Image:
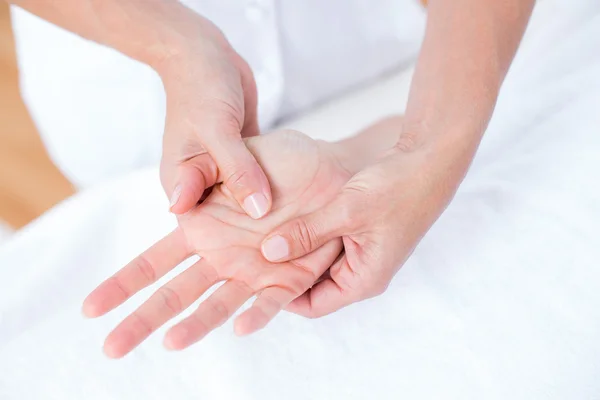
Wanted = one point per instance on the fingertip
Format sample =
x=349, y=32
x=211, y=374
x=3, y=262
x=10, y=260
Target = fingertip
x=243, y=326
x=194, y=177
x=252, y=320
x=256, y=205
x=179, y=210
x=182, y=201
x=91, y=308
x=178, y=338
x=239, y=328
x=102, y=300
x=111, y=350
x=169, y=344
x=187, y=202
x=175, y=196
x=89, y=311
x=300, y=305
x=275, y=248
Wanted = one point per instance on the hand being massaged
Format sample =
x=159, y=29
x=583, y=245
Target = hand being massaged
x=304, y=175
x=369, y=195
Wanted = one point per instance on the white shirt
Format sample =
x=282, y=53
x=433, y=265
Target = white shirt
x=101, y=114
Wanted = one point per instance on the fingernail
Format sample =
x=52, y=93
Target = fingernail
x=175, y=196
x=275, y=248
x=256, y=205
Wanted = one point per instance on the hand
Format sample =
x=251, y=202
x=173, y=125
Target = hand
x=211, y=106
x=304, y=175
x=381, y=214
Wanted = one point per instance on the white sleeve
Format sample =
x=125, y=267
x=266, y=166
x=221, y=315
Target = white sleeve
x=98, y=112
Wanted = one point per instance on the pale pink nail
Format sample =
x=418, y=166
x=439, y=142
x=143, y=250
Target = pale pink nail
x=275, y=248
x=175, y=196
x=256, y=205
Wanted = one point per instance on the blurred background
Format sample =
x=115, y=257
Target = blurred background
x=29, y=182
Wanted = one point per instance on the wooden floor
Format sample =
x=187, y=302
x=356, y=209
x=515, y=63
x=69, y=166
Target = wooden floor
x=29, y=182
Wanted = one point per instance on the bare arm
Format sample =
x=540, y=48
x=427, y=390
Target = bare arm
x=386, y=208
x=468, y=48
x=211, y=93
x=467, y=51
x=149, y=31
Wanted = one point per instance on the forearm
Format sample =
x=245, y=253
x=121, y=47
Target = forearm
x=150, y=31
x=468, y=48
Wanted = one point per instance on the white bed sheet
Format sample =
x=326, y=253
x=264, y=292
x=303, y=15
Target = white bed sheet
x=5, y=232
x=500, y=300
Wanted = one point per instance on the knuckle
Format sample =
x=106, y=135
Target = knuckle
x=350, y=280
x=268, y=304
x=308, y=275
x=145, y=269
x=305, y=235
x=205, y=277
x=198, y=325
x=237, y=178
x=408, y=142
x=348, y=213
x=296, y=286
x=219, y=310
x=116, y=281
x=377, y=288
x=141, y=323
x=226, y=115
x=243, y=287
x=170, y=299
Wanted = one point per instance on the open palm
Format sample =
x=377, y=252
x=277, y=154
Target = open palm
x=304, y=176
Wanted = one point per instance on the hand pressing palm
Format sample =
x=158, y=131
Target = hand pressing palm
x=304, y=176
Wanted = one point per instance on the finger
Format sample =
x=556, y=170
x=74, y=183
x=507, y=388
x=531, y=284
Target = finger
x=251, y=128
x=211, y=313
x=311, y=304
x=168, y=301
x=144, y=270
x=242, y=175
x=329, y=295
x=306, y=234
x=267, y=305
x=285, y=283
x=188, y=181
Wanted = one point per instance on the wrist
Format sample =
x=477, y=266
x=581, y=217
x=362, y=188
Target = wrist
x=186, y=46
x=345, y=155
x=366, y=147
x=442, y=124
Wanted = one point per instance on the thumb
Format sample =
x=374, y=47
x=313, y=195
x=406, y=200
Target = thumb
x=241, y=174
x=186, y=182
x=306, y=234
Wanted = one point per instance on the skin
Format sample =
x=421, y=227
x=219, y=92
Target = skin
x=211, y=92
x=305, y=174
x=384, y=210
x=390, y=201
